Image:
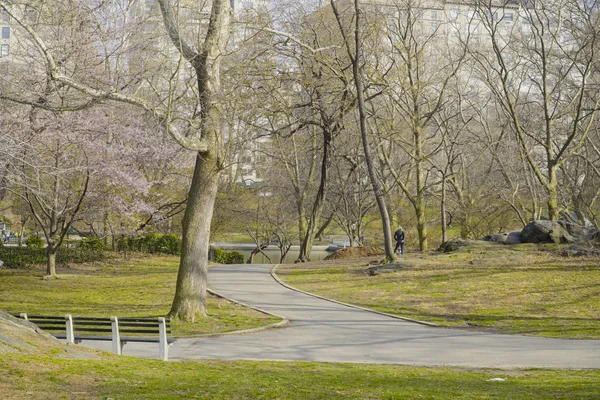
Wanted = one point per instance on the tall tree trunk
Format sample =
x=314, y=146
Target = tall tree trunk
x=190, y=295
x=356, y=58
x=317, y=211
x=189, y=302
x=420, y=200
x=443, y=211
x=552, y=191
x=300, y=197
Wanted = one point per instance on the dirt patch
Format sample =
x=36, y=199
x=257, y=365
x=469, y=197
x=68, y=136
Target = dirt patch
x=355, y=252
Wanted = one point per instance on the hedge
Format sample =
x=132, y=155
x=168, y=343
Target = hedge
x=228, y=257
x=27, y=257
x=151, y=243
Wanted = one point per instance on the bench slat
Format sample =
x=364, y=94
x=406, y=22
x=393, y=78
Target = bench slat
x=77, y=329
x=52, y=327
x=132, y=319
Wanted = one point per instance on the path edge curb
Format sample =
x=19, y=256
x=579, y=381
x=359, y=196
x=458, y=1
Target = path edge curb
x=284, y=321
x=276, y=277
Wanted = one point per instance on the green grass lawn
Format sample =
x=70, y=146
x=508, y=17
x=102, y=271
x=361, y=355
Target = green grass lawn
x=140, y=286
x=53, y=377
x=518, y=289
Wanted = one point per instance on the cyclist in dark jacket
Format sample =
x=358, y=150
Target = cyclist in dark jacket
x=399, y=238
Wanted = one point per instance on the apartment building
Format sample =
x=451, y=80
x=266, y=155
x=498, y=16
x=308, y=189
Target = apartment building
x=6, y=34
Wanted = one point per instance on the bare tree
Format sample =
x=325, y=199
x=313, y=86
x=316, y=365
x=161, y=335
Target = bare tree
x=353, y=43
x=541, y=72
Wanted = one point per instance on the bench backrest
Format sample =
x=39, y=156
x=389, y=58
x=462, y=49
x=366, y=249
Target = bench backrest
x=94, y=325
x=81, y=328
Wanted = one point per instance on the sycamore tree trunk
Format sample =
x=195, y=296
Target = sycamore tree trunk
x=189, y=302
x=190, y=295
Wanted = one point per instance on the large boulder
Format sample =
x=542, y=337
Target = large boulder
x=579, y=232
x=543, y=231
x=505, y=238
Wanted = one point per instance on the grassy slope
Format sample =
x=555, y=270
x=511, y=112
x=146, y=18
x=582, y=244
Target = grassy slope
x=46, y=377
x=141, y=286
x=516, y=289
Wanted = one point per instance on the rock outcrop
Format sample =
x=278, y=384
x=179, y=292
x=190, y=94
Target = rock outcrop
x=505, y=238
x=19, y=335
x=543, y=231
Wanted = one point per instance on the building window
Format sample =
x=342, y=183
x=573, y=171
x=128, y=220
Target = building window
x=473, y=28
x=433, y=27
x=4, y=16
x=5, y=32
x=473, y=15
x=508, y=17
x=4, y=50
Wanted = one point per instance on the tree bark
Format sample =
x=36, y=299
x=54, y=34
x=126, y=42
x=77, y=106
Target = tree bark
x=443, y=210
x=51, y=260
x=317, y=211
x=190, y=295
x=420, y=198
x=552, y=187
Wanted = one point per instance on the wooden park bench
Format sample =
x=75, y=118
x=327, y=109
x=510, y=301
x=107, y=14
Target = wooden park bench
x=78, y=329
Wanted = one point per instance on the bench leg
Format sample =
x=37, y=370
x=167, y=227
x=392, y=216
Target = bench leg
x=69, y=326
x=117, y=347
x=162, y=340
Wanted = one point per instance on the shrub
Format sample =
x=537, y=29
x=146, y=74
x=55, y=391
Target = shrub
x=93, y=243
x=27, y=257
x=35, y=242
x=151, y=243
x=169, y=244
x=228, y=257
x=235, y=257
x=123, y=244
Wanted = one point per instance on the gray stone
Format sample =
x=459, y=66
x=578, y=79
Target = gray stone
x=505, y=238
x=579, y=232
x=543, y=231
x=457, y=244
x=580, y=251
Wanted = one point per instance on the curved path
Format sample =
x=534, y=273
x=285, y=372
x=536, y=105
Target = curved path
x=322, y=330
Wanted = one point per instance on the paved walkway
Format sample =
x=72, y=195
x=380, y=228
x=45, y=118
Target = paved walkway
x=321, y=330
